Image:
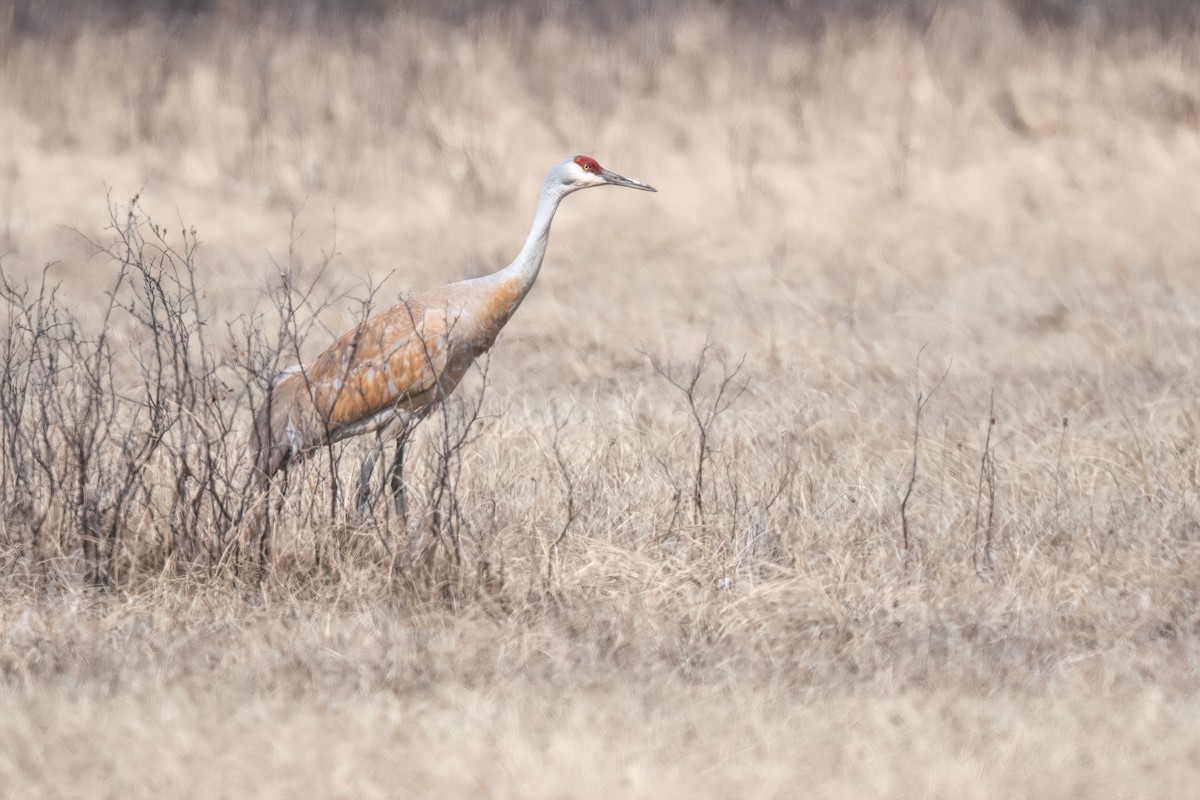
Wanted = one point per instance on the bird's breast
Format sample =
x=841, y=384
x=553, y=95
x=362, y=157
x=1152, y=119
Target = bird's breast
x=493, y=310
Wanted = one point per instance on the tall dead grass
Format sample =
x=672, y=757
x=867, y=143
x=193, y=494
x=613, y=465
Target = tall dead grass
x=612, y=580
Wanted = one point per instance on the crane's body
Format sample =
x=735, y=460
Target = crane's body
x=402, y=361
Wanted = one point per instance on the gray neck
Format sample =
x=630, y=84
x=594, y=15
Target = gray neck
x=529, y=260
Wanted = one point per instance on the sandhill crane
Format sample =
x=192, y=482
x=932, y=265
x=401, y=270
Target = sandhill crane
x=397, y=364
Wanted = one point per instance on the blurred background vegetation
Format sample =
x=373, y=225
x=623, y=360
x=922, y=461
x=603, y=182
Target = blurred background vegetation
x=804, y=18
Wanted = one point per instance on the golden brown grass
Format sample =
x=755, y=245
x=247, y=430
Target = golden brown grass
x=858, y=214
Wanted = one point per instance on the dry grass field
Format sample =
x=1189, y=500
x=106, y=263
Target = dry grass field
x=942, y=538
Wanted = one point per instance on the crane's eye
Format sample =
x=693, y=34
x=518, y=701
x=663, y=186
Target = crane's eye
x=587, y=167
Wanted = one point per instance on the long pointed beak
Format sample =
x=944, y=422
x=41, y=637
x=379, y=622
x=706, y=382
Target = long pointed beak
x=621, y=180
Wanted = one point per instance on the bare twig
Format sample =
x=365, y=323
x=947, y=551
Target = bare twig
x=918, y=408
x=704, y=410
x=987, y=475
x=564, y=472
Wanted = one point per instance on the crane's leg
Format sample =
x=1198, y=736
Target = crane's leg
x=396, y=473
x=399, y=488
x=364, y=479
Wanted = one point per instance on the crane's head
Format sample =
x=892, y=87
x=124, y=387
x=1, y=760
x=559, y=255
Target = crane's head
x=581, y=172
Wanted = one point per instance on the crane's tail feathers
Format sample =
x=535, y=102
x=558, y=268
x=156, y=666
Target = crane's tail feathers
x=279, y=433
x=285, y=373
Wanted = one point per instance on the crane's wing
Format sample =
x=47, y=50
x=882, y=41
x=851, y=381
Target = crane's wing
x=394, y=361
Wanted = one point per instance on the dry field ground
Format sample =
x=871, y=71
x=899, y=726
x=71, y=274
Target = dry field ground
x=946, y=541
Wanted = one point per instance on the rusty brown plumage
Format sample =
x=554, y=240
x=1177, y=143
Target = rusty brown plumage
x=396, y=362
x=402, y=361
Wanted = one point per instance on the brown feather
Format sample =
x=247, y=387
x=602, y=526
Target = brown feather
x=399, y=361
